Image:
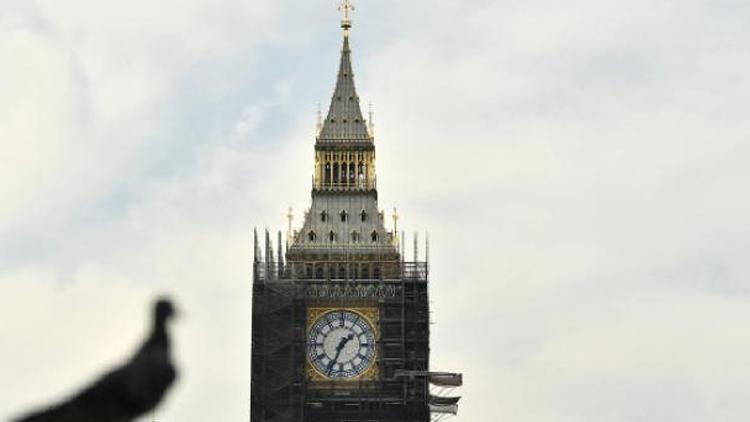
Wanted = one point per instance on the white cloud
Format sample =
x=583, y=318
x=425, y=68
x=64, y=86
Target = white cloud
x=90, y=87
x=580, y=168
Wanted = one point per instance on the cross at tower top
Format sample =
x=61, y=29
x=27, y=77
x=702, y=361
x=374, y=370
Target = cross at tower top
x=346, y=7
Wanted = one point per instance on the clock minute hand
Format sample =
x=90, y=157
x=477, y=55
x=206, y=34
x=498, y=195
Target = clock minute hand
x=341, y=345
x=339, y=348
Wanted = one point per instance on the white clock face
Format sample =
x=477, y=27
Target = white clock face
x=341, y=344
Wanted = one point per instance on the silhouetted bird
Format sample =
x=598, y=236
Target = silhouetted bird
x=128, y=391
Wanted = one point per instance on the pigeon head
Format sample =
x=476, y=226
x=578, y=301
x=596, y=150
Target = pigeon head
x=163, y=310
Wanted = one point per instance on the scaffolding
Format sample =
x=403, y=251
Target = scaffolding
x=282, y=292
x=443, y=402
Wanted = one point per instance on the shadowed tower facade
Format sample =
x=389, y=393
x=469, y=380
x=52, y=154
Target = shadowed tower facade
x=340, y=320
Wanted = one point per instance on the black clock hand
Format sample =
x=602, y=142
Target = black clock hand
x=339, y=348
x=335, y=358
x=333, y=362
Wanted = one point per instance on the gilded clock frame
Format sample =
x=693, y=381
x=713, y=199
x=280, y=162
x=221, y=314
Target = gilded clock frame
x=369, y=314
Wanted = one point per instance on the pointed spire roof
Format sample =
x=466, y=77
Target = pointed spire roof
x=344, y=122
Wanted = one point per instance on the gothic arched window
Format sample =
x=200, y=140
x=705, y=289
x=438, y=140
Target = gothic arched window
x=374, y=236
x=355, y=237
x=311, y=236
x=332, y=236
x=344, y=216
x=363, y=215
x=324, y=216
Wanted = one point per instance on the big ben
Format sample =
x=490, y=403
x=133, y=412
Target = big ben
x=340, y=319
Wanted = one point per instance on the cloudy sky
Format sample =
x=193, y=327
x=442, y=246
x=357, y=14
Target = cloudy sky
x=582, y=167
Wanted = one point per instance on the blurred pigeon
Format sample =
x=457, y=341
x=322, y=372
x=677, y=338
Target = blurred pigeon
x=128, y=391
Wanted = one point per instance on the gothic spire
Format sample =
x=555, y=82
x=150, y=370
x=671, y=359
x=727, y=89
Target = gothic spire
x=344, y=122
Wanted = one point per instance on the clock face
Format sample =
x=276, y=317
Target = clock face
x=341, y=344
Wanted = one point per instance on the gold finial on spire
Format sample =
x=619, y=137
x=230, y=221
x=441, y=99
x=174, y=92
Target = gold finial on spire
x=370, y=121
x=319, y=125
x=346, y=7
x=289, y=235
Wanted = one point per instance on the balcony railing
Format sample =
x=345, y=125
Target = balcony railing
x=354, y=185
x=341, y=271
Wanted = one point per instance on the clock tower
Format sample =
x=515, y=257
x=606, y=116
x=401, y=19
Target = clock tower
x=340, y=319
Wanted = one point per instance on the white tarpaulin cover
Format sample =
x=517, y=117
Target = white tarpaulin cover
x=444, y=401
x=446, y=379
x=451, y=409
